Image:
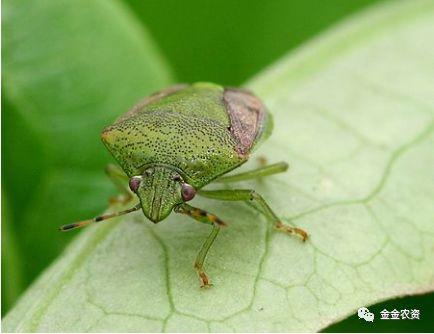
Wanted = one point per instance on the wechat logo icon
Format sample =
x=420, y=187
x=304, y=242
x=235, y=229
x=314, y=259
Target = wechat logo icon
x=364, y=313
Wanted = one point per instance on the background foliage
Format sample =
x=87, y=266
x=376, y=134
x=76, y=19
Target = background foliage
x=52, y=158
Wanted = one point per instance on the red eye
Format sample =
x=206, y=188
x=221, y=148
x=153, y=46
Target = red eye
x=135, y=183
x=187, y=192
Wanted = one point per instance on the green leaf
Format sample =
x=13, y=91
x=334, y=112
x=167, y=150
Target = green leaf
x=69, y=69
x=354, y=117
x=11, y=266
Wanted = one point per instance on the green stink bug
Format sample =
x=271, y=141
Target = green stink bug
x=180, y=139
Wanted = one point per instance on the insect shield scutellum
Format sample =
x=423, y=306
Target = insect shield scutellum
x=180, y=139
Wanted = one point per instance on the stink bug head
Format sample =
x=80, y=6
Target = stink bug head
x=160, y=189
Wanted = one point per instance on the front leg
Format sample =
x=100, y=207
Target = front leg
x=205, y=217
x=253, y=196
x=120, y=180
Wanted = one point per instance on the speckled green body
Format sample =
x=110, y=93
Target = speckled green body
x=198, y=131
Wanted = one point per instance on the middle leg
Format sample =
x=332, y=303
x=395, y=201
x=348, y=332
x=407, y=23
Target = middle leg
x=253, y=196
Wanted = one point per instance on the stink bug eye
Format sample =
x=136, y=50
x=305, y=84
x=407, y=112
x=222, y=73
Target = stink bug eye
x=135, y=183
x=187, y=192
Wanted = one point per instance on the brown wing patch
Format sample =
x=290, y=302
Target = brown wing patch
x=151, y=99
x=246, y=113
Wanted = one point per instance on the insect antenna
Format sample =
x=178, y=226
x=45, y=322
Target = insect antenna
x=83, y=223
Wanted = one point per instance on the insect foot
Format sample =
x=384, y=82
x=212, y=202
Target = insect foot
x=292, y=230
x=204, y=280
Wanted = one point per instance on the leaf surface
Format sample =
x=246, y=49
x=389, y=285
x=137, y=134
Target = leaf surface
x=354, y=117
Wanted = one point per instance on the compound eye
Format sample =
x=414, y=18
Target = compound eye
x=188, y=192
x=135, y=183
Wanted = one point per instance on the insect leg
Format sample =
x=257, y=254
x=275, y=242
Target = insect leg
x=205, y=217
x=120, y=180
x=83, y=223
x=256, y=173
x=254, y=197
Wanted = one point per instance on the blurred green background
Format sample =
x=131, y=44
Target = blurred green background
x=52, y=159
